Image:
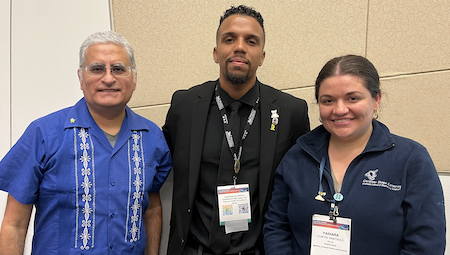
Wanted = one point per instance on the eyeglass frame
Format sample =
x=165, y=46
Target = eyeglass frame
x=106, y=68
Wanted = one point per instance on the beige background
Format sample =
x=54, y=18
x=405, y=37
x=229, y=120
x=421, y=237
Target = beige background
x=408, y=42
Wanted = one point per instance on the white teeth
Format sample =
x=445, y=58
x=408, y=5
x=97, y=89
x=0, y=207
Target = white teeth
x=343, y=120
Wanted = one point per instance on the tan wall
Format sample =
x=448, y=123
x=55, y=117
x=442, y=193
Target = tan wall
x=408, y=42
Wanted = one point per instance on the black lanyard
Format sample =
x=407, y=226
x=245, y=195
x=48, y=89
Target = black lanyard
x=229, y=135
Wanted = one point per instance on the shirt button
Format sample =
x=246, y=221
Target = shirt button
x=113, y=183
x=112, y=215
x=182, y=241
x=111, y=246
x=189, y=210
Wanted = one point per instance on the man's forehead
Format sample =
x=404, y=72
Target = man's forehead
x=98, y=51
x=230, y=21
x=100, y=45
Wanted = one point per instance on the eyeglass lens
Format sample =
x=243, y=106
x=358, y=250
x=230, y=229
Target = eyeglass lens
x=100, y=70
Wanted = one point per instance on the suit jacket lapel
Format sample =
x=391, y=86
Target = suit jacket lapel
x=268, y=143
x=200, y=110
x=268, y=139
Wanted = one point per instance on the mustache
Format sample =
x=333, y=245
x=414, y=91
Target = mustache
x=238, y=56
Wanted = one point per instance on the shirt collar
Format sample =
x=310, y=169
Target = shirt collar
x=249, y=98
x=79, y=116
x=316, y=141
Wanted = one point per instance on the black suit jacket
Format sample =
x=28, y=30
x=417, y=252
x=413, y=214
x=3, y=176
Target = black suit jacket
x=184, y=131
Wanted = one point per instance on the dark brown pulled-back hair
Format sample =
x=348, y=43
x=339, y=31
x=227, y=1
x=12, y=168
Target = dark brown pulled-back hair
x=353, y=65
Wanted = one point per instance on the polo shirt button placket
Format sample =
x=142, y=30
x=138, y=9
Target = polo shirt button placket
x=112, y=215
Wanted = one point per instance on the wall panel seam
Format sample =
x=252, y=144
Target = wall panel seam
x=111, y=16
x=415, y=73
x=10, y=73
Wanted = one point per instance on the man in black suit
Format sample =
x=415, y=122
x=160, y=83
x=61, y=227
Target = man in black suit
x=208, y=155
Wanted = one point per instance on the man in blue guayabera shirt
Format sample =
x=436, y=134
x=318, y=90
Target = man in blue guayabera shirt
x=92, y=170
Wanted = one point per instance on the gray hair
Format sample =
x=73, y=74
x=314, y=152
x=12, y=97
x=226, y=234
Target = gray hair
x=106, y=37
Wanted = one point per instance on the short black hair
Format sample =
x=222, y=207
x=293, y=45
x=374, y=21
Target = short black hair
x=243, y=10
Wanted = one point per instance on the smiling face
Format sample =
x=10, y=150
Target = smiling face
x=240, y=49
x=346, y=107
x=107, y=92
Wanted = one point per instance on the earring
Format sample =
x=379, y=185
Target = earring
x=375, y=114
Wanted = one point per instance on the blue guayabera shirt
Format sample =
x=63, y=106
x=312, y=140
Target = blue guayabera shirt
x=90, y=198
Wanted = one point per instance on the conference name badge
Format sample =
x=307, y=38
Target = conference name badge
x=328, y=237
x=234, y=207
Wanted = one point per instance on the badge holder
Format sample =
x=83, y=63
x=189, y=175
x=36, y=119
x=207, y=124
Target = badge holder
x=330, y=233
x=234, y=207
x=331, y=237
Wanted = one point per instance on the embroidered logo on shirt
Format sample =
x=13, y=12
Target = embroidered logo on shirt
x=371, y=175
x=371, y=181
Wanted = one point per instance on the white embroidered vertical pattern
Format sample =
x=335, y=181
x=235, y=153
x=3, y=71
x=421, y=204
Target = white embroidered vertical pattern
x=93, y=190
x=143, y=181
x=129, y=188
x=135, y=189
x=86, y=185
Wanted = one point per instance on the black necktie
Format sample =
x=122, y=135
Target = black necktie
x=235, y=123
x=219, y=241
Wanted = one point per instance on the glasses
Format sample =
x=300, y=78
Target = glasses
x=98, y=70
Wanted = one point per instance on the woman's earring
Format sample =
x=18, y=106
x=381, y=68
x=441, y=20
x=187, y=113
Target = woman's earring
x=375, y=114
